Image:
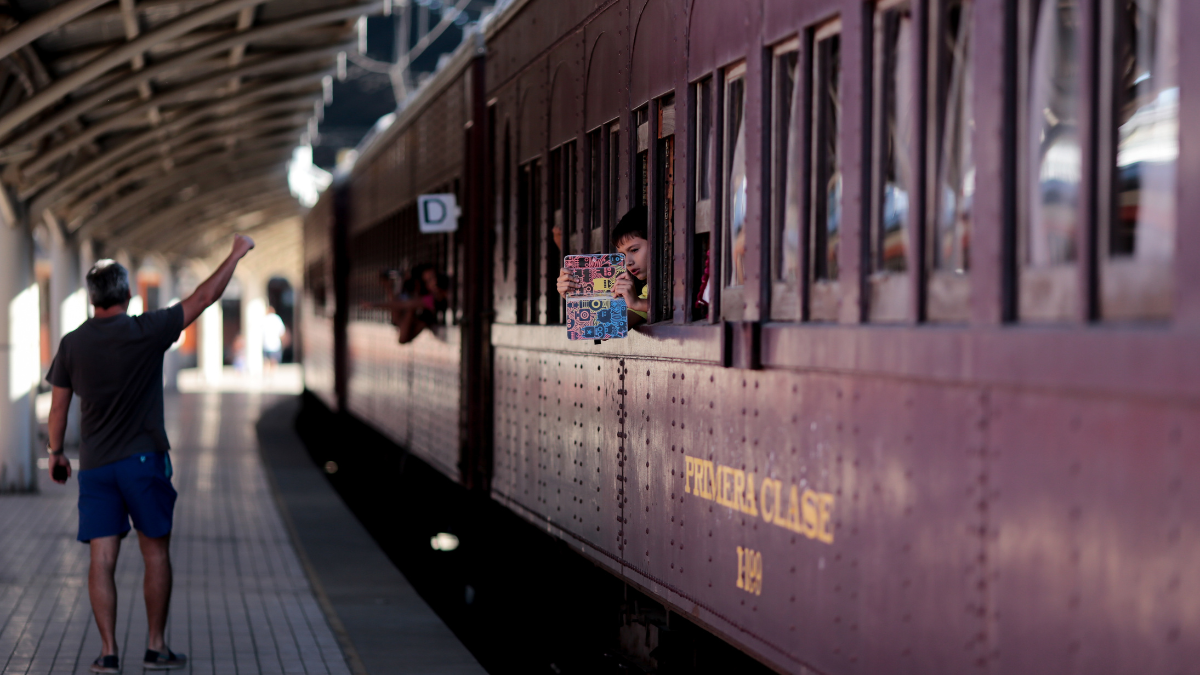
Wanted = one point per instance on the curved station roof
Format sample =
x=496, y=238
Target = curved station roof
x=161, y=125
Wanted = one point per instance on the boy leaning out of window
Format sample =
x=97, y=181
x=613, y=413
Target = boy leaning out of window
x=630, y=237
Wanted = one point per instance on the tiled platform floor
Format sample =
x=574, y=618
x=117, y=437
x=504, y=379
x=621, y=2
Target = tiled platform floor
x=242, y=603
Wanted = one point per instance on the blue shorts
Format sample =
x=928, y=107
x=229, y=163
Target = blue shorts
x=137, y=486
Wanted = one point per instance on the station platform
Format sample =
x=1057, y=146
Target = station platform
x=273, y=574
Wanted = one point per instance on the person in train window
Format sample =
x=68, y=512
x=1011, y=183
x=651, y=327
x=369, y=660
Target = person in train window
x=416, y=304
x=631, y=237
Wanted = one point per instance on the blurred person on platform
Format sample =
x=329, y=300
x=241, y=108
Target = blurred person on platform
x=273, y=335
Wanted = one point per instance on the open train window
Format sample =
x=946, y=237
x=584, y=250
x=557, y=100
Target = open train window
x=530, y=237
x=564, y=232
x=785, y=207
x=893, y=177
x=602, y=182
x=612, y=187
x=948, y=288
x=506, y=206
x=1137, y=241
x=595, y=193
x=825, y=197
x=733, y=185
x=641, y=160
x=704, y=150
x=663, y=220
x=316, y=283
x=1049, y=230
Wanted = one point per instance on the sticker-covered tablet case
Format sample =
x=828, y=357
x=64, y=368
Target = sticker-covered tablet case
x=596, y=318
x=594, y=274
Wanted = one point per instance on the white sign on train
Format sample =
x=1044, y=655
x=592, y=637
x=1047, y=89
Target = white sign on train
x=437, y=213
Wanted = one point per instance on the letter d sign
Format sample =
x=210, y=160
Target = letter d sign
x=437, y=213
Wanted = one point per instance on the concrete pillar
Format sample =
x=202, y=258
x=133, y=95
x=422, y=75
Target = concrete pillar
x=68, y=307
x=211, y=350
x=254, y=313
x=136, y=303
x=87, y=258
x=20, y=318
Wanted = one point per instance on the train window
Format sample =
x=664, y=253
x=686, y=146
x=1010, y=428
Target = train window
x=893, y=179
x=948, y=290
x=1048, y=236
x=316, y=284
x=595, y=196
x=613, y=186
x=562, y=207
x=506, y=205
x=703, y=189
x=641, y=162
x=784, y=212
x=1140, y=241
x=530, y=270
x=734, y=187
x=825, y=198
x=663, y=221
x=563, y=233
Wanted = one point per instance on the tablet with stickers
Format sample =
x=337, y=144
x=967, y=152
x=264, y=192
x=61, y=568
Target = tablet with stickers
x=594, y=274
x=593, y=313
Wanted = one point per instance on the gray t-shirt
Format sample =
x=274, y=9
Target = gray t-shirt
x=115, y=367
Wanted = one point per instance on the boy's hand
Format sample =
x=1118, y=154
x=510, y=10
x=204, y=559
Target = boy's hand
x=623, y=288
x=565, y=284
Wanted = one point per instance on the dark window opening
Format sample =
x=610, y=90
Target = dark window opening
x=641, y=160
x=530, y=241
x=613, y=188
x=663, y=269
x=703, y=279
x=595, y=196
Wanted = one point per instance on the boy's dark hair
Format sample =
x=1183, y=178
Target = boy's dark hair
x=635, y=223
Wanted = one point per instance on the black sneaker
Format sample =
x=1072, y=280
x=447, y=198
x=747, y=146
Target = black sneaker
x=167, y=660
x=106, y=664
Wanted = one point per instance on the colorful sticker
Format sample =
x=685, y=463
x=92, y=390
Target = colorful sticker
x=596, y=318
x=594, y=274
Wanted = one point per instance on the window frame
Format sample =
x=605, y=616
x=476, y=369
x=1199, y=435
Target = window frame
x=703, y=114
x=1032, y=284
x=947, y=294
x=784, y=170
x=1151, y=300
x=888, y=293
x=731, y=297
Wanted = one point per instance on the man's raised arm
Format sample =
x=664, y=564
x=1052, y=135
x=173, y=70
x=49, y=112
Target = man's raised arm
x=213, y=287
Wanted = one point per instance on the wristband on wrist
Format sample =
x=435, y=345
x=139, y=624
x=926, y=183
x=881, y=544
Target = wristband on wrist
x=52, y=451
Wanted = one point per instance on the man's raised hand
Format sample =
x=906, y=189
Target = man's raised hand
x=242, y=245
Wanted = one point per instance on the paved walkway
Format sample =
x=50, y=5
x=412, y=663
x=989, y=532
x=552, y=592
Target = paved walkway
x=242, y=602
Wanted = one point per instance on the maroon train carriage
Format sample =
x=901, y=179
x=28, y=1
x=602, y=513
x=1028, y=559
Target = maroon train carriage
x=919, y=391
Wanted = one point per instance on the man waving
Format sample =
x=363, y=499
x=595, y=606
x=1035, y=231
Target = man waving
x=114, y=363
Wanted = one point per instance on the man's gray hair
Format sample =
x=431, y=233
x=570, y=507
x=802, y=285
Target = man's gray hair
x=108, y=284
